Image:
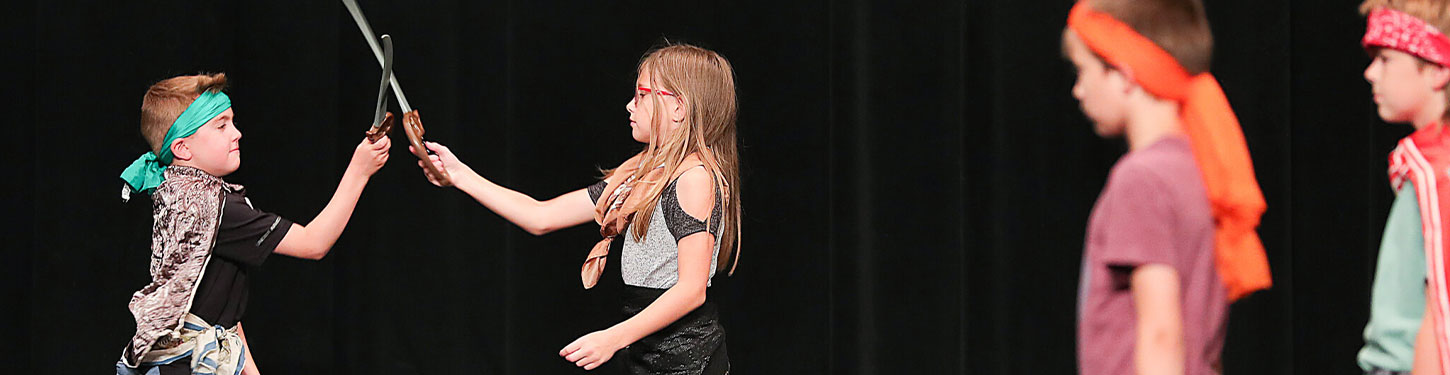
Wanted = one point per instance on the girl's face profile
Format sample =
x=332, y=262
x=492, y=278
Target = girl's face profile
x=641, y=107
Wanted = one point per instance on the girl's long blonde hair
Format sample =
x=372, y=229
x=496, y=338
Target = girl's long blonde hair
x=705, y=84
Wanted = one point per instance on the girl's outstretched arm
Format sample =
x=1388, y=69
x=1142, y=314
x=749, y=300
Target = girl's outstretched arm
x=533, y=216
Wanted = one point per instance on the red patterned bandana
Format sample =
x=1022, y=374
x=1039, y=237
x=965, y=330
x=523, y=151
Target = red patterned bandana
x=1398, y=30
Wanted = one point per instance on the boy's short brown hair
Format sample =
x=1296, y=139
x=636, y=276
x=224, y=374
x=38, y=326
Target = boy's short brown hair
x=1180, y=27
x=165, y=101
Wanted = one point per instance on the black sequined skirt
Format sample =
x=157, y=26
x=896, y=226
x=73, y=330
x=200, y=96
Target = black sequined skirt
x=694, y=344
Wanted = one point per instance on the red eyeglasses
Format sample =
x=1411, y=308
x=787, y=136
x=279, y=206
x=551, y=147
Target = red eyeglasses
x=642, y=91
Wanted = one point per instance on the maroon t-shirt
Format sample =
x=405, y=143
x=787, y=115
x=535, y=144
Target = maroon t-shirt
x=1153, y=211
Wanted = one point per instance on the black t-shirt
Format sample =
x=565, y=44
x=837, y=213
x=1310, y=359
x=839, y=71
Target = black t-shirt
x=244, y=240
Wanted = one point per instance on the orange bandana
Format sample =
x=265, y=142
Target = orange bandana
x=1213, y=130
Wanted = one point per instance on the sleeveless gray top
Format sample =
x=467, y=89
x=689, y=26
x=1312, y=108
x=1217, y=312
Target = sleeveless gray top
x=654, y=262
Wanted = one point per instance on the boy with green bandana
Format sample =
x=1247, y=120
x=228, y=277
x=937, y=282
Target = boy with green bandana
x=207, y=235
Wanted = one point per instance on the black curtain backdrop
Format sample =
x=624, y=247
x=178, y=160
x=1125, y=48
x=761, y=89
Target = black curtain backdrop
x=917, y=179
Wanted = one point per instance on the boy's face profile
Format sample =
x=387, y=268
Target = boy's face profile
x=1402, y=84
x=214, y=148
x=1101, y=92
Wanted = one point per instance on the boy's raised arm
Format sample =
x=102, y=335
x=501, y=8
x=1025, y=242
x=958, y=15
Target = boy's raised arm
x=314, y=240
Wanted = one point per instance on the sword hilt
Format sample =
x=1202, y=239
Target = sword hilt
x=377, y=132
x=413, y=125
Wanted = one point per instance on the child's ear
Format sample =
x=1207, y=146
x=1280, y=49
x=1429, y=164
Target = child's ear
x=1121, y=81
x=678, y=114
x=1439, y=77
x=179, y=150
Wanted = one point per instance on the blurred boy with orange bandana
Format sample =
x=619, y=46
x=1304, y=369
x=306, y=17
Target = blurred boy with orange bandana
x=1171, y=241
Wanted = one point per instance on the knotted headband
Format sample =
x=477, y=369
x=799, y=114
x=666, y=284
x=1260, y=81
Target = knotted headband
x=1213, y=131
x=146, y=173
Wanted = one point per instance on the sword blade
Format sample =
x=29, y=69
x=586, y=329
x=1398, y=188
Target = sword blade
x=367, y=31
x=382, y=105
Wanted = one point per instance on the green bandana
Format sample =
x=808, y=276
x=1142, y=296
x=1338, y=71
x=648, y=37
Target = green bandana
x=145, y=174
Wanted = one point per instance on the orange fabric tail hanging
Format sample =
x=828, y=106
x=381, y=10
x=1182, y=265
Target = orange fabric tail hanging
x=1212, y=129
